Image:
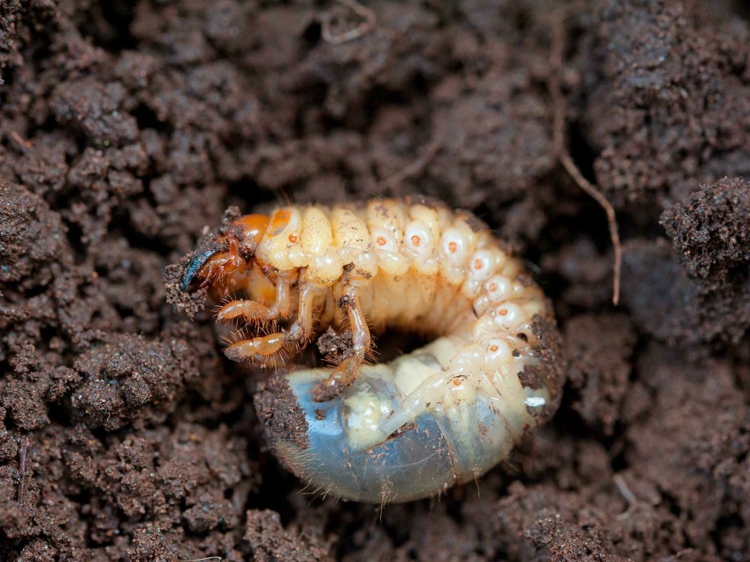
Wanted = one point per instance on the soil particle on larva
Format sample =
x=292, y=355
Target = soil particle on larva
x=334, y=347
x=278, y=409
x=550, y=350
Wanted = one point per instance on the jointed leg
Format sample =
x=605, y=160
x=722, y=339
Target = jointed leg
x=256, y=312
x=265, y=346
x=457, y=399
x=437, y=389
x=347, y=370
x=302, y=327
x=269, y=345
x=430, y=392
x=252, y=311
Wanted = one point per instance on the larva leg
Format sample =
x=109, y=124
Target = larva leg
x=429, y=392
x=267, y=345
x=436, y=389
x=251, y=311
x=264, y=346
x=255, y=311
x=347, y=370
x=454, y=394
x=302, y=327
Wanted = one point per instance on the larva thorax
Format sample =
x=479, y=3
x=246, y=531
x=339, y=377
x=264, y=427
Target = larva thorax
x=412, y=265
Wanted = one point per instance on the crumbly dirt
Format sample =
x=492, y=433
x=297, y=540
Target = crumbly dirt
x=334, y=347
x=128, y=127
x=279, y=411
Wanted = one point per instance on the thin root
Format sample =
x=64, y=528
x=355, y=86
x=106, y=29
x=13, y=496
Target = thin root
x=23, y=456
x=415, y=167
x=24, y=145
x=556, y=62
x=630, y=497
x=365, y=27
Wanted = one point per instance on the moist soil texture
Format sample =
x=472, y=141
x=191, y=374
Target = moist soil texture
x=127, y=128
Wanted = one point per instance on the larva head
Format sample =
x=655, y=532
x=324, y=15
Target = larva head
x=234, y=247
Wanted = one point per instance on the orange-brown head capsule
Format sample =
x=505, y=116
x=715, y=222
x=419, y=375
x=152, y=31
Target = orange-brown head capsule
x=251, y=231
x=228, y=252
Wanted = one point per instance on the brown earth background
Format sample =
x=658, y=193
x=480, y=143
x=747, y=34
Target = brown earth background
x=126, y=128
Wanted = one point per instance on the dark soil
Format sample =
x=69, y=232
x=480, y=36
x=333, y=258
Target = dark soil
x=126, y=130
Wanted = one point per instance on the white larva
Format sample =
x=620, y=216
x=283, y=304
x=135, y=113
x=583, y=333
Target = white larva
x=441, y=415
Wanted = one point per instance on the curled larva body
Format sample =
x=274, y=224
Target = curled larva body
x=411, y=428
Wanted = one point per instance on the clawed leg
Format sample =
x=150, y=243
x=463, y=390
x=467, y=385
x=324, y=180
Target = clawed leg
x=271, y=344
x=455, y=396
x=347, y=370
x=430, y=392
x=265, y=346
x=251, y=311
x=300, y=331
x=436, y=389
x=256, y=312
